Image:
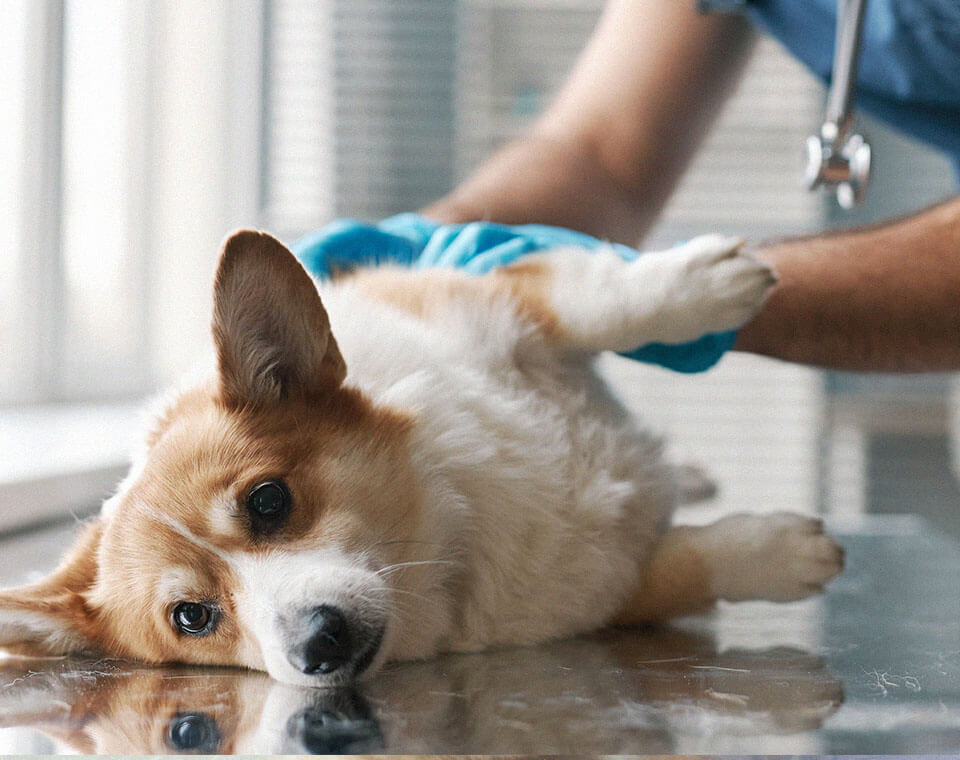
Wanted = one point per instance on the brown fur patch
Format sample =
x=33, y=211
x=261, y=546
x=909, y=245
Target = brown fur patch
x=675, y=582
x=525, y=284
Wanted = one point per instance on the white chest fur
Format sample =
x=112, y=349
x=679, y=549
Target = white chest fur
x=548, y=495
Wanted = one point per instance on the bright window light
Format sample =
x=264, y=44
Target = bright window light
x=12, y=51
x=100, y=285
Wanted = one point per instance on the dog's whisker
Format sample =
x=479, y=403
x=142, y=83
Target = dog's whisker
x=399, y=565
x=376, y=605
x=401, y=605
x=405, y=541
x=427, y=599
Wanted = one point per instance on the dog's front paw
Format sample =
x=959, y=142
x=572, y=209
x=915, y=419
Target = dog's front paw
x=780, y=557
x=717, y=287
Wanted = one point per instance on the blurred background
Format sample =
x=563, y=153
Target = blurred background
x=136, y=133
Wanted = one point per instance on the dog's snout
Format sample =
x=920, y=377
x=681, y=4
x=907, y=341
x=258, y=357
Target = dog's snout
x=329, y=643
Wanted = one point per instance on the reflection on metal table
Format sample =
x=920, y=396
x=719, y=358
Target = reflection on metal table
x=871, y=667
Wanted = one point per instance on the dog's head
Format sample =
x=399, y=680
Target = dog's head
x=256, y=528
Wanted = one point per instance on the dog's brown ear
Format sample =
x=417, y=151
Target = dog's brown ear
x=271, y=332
x=51, y=617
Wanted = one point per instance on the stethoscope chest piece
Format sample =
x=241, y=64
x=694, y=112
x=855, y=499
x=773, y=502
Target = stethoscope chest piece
x=844, y=166
x=835, y=158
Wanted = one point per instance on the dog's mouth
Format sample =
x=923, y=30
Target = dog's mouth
x=369, y=652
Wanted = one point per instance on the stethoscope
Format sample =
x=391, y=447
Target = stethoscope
x=837, y=159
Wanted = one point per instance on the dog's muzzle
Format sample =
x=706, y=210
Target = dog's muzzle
x=330, y=642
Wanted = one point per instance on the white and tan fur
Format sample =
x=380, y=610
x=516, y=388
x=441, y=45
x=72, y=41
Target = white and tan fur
x=461, y=478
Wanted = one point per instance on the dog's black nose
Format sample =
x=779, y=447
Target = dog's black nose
x=329, y=644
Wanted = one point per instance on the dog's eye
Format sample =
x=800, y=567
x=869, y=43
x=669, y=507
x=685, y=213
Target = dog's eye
x=194, y=618
x=268, y=504
x=194, y=733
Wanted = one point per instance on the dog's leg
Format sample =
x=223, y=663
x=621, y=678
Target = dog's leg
x=779, y=557
x=596, y=301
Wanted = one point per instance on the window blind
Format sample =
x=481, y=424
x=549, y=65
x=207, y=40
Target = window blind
x=360, y=109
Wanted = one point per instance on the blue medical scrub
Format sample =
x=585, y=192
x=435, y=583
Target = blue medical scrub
x=909, y=72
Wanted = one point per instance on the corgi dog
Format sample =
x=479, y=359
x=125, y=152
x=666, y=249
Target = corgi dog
x=401, y=463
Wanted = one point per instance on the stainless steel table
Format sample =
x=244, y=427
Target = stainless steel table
x=871, y=667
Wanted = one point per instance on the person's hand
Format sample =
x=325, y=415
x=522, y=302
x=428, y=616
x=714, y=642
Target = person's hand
x=477, y=247
x=347, y=243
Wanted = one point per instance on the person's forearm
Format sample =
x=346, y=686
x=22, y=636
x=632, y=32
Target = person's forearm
x=606, y=154
x=884, y=298
x=546, y=180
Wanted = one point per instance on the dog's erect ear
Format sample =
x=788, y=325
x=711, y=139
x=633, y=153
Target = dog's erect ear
x=51, y=617
x=271, y=332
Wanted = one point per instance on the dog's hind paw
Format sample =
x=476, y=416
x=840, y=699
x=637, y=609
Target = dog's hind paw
x=780, y=557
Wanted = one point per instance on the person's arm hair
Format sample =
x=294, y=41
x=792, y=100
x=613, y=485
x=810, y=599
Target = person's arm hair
x=883, y=298
x=606, y=154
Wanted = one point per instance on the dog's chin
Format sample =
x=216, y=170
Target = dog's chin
x=371, y=657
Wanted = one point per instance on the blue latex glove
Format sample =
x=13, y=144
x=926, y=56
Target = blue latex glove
x=413, y=241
